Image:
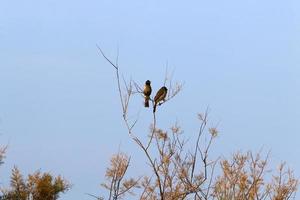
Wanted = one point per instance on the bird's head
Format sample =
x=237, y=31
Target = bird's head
x=148, y=82
x=165, y=88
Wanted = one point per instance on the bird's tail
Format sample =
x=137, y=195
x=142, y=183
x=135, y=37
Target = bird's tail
x=146, y=102
x=154, y=107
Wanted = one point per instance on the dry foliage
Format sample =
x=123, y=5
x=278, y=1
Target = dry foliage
x=37, y=186
x=2, y=154
x=245, y=176
x=116, y=184
x=179, y=172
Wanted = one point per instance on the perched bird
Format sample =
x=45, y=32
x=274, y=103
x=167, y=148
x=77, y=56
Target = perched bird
x=160, y=96
x=147, y=92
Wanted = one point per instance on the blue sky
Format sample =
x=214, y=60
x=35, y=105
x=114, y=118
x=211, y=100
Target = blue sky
x=59, y=105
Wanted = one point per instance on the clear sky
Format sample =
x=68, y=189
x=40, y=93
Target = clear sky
x=59, y=105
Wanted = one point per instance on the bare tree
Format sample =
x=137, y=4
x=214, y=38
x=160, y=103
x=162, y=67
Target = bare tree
x=176, y=172
x=179, y=172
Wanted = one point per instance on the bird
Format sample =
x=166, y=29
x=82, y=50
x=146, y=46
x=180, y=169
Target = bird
x=160, y=96
x=147, y=92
